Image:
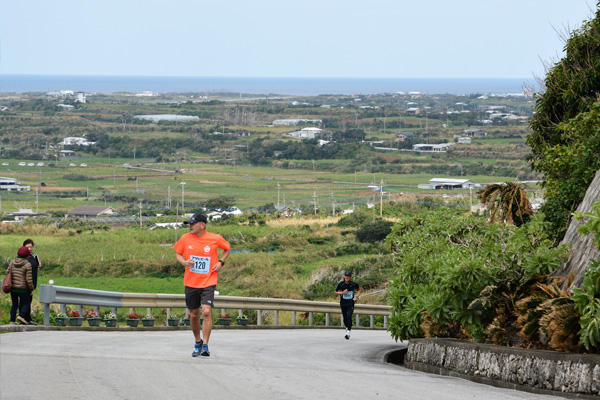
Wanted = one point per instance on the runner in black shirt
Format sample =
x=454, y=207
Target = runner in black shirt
x=347, y=290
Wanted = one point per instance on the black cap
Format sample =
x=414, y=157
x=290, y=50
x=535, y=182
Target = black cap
x=197, y=218
x=348, y=273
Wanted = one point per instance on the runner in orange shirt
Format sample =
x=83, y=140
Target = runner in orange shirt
x=197, y=252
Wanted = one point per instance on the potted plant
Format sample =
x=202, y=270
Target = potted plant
x=173, y=320
x=75, y=319
x=110, y=319
x=92, y=318
x=225, y=320
x=61, y=319
x=188, y=320
x=148, y=320
x=133, y=320
x=242, y=320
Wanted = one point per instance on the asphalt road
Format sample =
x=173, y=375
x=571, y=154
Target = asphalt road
x=244, y=364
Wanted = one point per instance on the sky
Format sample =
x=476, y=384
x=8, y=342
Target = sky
x=282, y=38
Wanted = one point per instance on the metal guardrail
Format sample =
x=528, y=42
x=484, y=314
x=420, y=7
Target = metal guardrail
x=63, y=295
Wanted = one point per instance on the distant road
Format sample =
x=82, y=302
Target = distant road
x=245, y=364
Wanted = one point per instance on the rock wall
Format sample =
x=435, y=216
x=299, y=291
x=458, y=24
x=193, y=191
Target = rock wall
x=583, y=248
x=538, y=371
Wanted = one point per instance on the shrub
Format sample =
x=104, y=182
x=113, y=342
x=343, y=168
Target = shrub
x=372, y=232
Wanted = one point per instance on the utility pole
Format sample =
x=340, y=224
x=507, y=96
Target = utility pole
x=471, y=196
x=332, y=202
x=169, y=197
x=315, y=199
x=381, y=199
x=182, y=197
x=140, y=215
x=278, y=188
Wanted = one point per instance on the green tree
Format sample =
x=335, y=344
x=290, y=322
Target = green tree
x=565, y=134
x=375, y=231
x=220, y=202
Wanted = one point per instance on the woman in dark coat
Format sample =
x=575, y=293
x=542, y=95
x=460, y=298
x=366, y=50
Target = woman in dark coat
x=22, y=286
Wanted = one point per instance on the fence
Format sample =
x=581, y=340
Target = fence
x=64, y=295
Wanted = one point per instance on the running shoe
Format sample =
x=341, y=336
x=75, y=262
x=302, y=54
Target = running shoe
x=347, y=334
x=197, y=348
x=21, y=320
x=204, y=352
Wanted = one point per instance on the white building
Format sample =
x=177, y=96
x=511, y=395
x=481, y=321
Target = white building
x=432, y=148
x=294, y=122
x=464, y=140
x=307, y=133
x=76, y=141
x=10, y=184
x=448, y=184
x=168, y=117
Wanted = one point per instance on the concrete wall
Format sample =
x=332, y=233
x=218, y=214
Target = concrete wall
x=536, y=371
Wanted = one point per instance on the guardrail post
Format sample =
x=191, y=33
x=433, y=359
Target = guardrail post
x=63, y=308
x=293, y=317
x=372, y=320
x=46, y=314
x=341, y=320
x=276, y=317
x=326, y=319
x=80, y=309
x=357, y=320
x=149, y=311
x=97, y=309
x=310, y=319
x=385, y=321
x=114, y=310
x=168, y=313
x=258, y=317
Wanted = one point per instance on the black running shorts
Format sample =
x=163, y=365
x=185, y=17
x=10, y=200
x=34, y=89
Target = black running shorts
x=194, y=297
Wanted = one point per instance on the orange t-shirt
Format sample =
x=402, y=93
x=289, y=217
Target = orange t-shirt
x=203, y=250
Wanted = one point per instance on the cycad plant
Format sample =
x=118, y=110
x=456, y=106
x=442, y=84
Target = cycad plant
x=547, y=317
x=507, y=201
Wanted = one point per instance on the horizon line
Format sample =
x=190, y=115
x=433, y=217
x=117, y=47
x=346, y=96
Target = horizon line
x=252, y=77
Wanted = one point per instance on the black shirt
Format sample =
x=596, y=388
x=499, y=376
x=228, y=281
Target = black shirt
x=348, y=298
x=35, y=262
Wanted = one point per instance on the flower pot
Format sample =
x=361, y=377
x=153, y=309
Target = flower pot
x=76, y=321
x=242, y=321
x=61, y=321
x=111, y=322
x=173, y=321
x=94, y=321
x=148, y=321
x=225, y=321
x=188, y=321
x=133, y=322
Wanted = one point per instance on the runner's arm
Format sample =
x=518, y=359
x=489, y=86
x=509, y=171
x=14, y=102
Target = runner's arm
x=181, y=260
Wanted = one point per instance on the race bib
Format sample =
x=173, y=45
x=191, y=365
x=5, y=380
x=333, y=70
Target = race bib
x=349, y=295
x=201, y=265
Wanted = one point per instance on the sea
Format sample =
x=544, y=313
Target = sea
x=13, y=83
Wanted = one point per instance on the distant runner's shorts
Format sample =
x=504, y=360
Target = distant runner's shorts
x=194, y=297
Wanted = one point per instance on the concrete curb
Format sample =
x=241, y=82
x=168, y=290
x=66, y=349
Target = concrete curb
x=124, y=328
